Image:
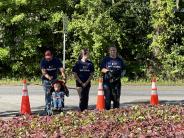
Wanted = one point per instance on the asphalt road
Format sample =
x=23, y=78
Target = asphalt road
x=10, y=97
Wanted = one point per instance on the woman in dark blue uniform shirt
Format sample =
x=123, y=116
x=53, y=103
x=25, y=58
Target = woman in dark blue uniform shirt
x=112, y=68
x=83, y=72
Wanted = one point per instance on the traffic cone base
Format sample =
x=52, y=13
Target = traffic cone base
x=154, y=100
x=25, y=105
x=100, y=103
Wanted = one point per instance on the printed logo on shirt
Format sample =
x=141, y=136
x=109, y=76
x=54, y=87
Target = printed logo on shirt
x=84, y=69
x=51, y=68
x=114, y=64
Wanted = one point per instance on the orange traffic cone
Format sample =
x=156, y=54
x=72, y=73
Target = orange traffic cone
x=154, y=95
x=100, y=98
x=25, y=105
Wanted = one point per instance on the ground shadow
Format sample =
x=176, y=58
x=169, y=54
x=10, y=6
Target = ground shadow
x=40, y=111
x=8, y=113
x=13, y=113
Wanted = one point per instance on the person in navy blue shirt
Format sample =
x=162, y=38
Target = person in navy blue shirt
x=83, y=72
x=112, y=68
x=50, y=66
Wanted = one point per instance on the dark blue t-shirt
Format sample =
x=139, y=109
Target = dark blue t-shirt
x=115, y=65
x=83, y=69
x=52, y=67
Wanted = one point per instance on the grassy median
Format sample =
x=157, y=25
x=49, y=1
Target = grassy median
x=71, y=81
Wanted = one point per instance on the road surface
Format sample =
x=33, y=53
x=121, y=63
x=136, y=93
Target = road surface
x=10, y=97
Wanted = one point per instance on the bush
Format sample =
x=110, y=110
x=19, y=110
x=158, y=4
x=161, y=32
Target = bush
x=136, y=121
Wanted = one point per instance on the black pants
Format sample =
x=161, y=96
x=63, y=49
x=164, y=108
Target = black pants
x=83, y=96
x=112, y=92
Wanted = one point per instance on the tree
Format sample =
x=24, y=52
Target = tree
x=148, y=34
x=167, y=44
x=98, y=24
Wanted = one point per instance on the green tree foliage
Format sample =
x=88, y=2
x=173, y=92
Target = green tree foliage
x=94, y=28
x=148, y=35
x=167, y=45
x=26, y=26
x=98, y=24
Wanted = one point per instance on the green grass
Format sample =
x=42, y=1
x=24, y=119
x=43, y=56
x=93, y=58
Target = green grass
x=160, y=82
x=18, y=81
x=125, y=81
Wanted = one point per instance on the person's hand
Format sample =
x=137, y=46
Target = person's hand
x=50, y=77
x=104, y=70
x=83, y=85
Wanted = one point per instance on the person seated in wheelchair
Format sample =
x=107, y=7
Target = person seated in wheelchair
x=58, y=91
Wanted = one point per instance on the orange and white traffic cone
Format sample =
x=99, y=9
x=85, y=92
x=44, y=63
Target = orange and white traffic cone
x=100, y=98
x=25, y=104
x=154, y=96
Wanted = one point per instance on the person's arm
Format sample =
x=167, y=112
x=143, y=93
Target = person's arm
x=91, y=74
x=62, y=71
x=104, y=70
x=103, y=66
x=89, y=79
x=77, y=78
x=44, y=71
x=46, y=75
x=75, y=69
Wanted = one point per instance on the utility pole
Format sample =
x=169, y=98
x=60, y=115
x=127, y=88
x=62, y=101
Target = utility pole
x=65, y=24
x=177, y=4
x=112, y=2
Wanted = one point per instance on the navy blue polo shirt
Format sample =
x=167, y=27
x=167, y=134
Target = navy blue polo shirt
x=113, y=64
x=83, y=69
x=52, y=67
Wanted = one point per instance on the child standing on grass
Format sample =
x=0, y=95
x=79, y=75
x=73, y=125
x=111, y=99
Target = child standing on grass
x=58, y=97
